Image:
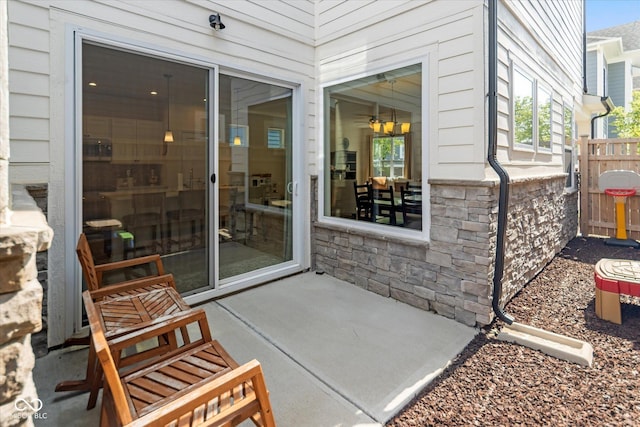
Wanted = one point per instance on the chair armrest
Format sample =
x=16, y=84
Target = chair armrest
x=130, y=285
x=253, y=402
x=164, y=325
x=116, y=265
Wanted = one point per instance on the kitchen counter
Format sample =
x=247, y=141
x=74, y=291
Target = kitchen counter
x=127, y=192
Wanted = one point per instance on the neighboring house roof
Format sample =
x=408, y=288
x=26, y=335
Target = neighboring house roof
x=629, y=33
x=628, y=40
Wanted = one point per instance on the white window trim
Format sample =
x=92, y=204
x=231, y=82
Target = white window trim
x=541, y=87
x=369, y=227
x=572, y=147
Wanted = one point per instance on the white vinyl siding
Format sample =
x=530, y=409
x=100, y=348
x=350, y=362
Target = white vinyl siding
x=545, y=39
x=357, y=37
x=274, y=39
x=29, y=88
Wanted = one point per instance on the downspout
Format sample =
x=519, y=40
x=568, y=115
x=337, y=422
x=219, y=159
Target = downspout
x=559, y=346
x=585, y=89
x=606, y=101
x=608, y=105
x=503, y=200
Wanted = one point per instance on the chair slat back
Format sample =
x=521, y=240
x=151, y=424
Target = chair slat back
x=411, y=201
x=384, y=195
x=363, y=197
x=384, y=205
x=85, y=258
x=411, y=207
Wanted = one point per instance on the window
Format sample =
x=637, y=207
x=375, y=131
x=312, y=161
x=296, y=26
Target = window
x=275, y=138
x=388, y=156
x=532, y=108
x=370, y=124
x=523, y=109
x=544, y=118
x=568, y=125
x=569, y=158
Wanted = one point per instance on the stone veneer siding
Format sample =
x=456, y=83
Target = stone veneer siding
x=40, y=193
x=20, y=305
x=452, y=274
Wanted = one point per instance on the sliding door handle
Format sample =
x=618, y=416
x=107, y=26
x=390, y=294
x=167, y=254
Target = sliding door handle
x=292, y=187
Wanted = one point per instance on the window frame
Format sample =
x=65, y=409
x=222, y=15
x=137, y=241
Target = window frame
x=393, y=159
x=569, y=146
x=537, y=88
x=324, y=196
x=541, y=88
x=516, y=144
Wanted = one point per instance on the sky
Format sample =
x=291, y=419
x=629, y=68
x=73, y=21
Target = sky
x=609, y=13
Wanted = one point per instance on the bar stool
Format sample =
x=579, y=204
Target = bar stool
x=146, y=223
x=191, y=211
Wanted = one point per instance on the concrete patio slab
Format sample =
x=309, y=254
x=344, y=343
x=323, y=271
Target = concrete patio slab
x=372, y=351
x=333, y=354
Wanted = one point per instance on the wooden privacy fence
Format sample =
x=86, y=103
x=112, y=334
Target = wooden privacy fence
x=597, y=210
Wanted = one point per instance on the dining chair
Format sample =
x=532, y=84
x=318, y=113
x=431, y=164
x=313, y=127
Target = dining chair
x=384, y=206
x=364, y=201
x=411, y=207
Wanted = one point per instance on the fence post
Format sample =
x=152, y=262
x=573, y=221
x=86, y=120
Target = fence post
x=584, y=185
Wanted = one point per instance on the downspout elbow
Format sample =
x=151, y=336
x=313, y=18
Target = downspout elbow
x=609, y=106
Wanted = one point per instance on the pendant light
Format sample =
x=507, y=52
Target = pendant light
x=236, y=139
x=168, y=135
x=390, y=126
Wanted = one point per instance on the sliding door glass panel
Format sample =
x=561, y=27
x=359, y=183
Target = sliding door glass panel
x=144, y=162
x=254, y=185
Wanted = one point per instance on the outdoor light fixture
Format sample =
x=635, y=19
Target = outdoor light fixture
x=168, y=135
x=215, y=22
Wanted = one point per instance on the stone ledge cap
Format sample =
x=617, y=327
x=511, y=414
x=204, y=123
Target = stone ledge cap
x=28, y=230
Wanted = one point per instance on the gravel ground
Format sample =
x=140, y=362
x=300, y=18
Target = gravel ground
x=493, y=383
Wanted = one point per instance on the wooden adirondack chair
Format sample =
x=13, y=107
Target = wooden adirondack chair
x=196, y=384
x=127, y=307
x=93, y=274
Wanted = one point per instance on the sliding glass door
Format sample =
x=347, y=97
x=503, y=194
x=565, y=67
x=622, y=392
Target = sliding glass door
x=156, y=180
x=255, y=176
x=145, y=171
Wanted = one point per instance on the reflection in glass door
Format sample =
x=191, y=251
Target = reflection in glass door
x=144, y=162
x=255, y=183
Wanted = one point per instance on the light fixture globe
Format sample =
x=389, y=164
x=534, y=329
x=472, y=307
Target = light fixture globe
x=168, y=136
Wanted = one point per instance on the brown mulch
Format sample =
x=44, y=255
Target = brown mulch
x=493, y=383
